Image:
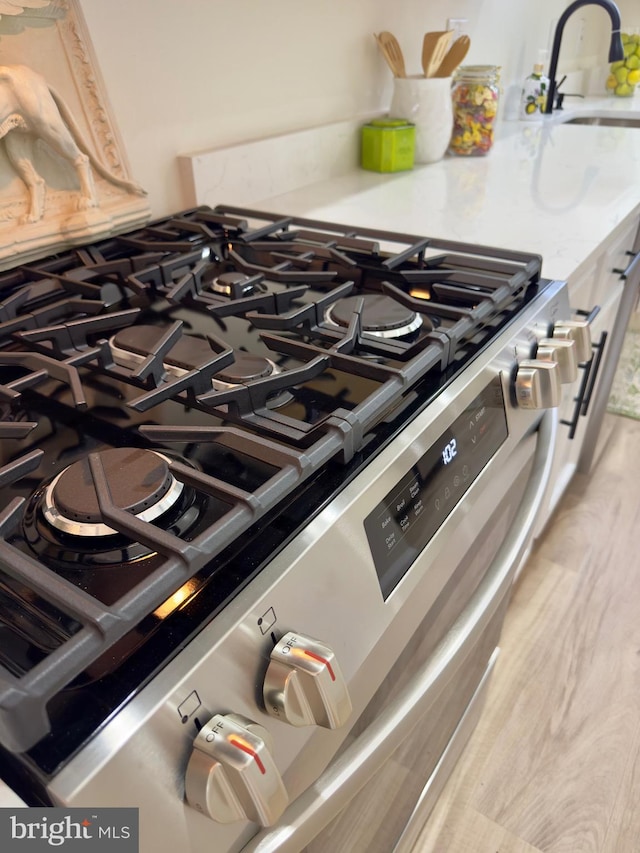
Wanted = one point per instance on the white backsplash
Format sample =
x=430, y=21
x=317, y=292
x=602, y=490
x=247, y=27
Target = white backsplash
x=245, y=173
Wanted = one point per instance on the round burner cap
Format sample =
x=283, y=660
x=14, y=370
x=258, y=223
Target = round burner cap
x=381, y=315
x=246, y=367
x=139, y=482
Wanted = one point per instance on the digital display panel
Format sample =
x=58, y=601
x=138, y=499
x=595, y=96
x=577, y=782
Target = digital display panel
x=409, y=516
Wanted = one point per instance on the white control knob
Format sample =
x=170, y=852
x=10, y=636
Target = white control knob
x=564, y=353
x=231, y=775
x=578, y=331
x=538, y=384
x=303, y=685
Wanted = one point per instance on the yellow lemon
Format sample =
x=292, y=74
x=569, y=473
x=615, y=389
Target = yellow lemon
x=611, y=82
x=634, y=77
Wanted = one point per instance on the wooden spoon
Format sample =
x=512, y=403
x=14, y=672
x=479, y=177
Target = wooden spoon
x=434, y=48
x=454, y=57
x=392, y=52
x=387, y=58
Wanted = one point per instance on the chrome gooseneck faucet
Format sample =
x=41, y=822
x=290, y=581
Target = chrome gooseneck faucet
x=616, y=50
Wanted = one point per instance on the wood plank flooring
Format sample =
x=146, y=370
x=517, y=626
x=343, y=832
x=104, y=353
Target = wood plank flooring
x=554, y=765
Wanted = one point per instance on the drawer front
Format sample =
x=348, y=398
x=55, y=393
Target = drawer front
x=616, y=259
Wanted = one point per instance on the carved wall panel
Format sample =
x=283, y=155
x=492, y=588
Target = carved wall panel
x=64, y=176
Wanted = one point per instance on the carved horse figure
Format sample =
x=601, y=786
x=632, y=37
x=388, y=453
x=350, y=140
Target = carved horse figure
x=30, y=109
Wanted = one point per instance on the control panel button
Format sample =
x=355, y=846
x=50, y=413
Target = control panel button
x=578, y=331
x=304, y=686
x=231, y=774
x=537, y=384
x=564, y=353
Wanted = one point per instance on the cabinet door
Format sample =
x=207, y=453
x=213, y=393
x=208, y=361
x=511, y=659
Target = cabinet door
x=616, y=259
x=620, y=284
x=573, y=411
x=606, y=286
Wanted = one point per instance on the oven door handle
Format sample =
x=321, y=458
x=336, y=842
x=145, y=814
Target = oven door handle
x=316, y=807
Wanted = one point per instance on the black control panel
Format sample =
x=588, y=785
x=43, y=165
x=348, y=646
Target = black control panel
x=410, y=515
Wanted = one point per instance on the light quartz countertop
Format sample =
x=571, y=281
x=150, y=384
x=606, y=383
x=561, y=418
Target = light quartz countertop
x=551, y=188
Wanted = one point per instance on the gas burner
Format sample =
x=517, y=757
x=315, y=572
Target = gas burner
x=139, y=481
x=245, y=368
x=381, y=315
x=63, y=525
x=131, y=346
x=233, y=283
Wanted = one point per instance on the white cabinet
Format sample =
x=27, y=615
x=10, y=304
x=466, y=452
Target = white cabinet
x=610, y=282
x=600, y=282
x=618, y=283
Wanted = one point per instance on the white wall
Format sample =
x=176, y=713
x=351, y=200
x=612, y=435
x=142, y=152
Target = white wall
x=630, y=11
x=198, y=74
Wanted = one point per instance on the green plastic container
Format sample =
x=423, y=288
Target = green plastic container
x=388, y=145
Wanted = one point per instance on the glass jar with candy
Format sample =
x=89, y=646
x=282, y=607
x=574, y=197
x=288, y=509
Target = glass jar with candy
x=475, y=96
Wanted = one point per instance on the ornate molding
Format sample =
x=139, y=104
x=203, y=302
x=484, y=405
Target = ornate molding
x=75, y=41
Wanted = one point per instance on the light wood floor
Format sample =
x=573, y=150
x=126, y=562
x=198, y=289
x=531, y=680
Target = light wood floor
x=554, y=764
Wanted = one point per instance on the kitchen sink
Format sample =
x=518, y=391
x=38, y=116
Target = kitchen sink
x=605, y=122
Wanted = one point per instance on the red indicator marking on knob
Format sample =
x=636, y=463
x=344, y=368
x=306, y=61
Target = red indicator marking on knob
x=321, y=660
x=234, y=740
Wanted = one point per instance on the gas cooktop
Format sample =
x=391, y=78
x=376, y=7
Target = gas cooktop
x=175, y=404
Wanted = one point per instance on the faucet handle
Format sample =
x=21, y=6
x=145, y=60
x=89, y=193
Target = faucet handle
x=560, y=96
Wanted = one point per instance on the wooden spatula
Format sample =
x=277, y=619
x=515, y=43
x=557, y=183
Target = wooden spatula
x=392, y=52
x=434, y=48
x=454, y=57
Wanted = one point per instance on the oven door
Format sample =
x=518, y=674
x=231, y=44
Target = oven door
x=378, y=791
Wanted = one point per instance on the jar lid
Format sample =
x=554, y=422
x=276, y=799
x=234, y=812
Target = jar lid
x=389, y=122
x=478, y=72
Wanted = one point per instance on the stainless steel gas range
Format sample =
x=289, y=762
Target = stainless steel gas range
x=265, y=483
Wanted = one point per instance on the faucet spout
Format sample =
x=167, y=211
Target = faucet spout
x=616, y=50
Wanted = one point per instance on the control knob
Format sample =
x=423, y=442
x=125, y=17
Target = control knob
x=231, y=774
x=537, y=384
x=304, y=686
x=578, y=331
x=564, y=353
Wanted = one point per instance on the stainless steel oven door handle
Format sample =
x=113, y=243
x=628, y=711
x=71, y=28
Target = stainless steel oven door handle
x=316, y=807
